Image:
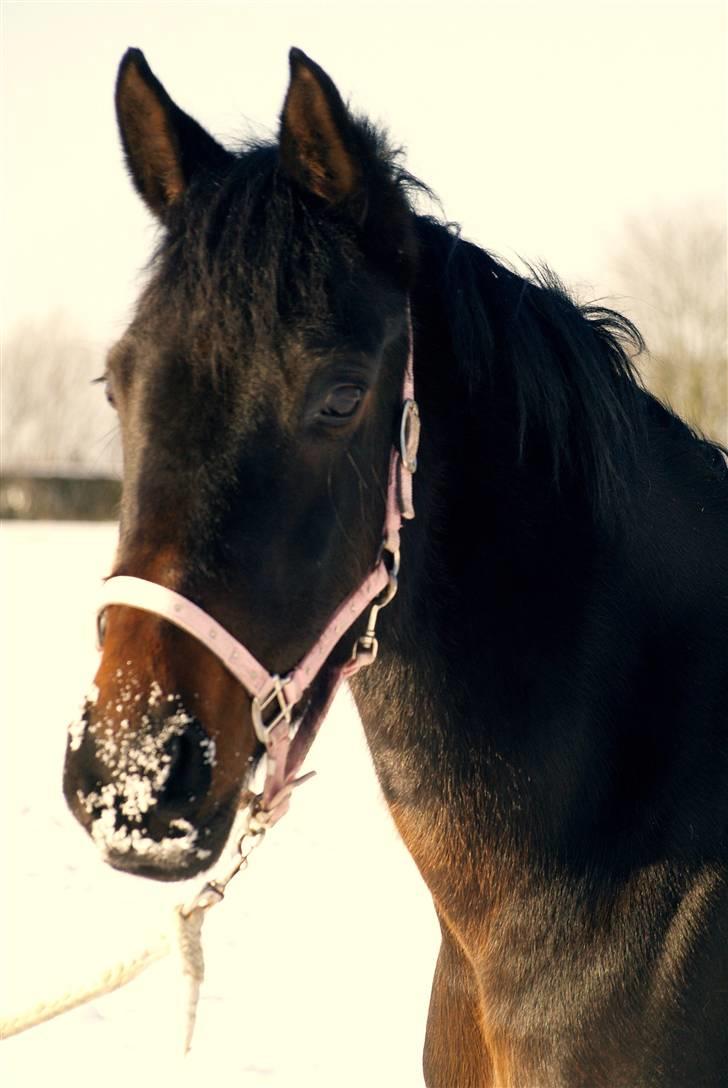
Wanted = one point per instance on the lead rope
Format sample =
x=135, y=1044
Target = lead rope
x=113, y=978
x=186, y=934
x=189, y=918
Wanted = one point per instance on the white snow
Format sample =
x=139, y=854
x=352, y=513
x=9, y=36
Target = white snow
x=76, y=731
x=318, y=962
x=139, y=765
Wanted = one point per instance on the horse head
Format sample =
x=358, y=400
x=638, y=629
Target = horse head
x=257, y=389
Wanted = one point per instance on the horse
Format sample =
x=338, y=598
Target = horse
x=547, y=711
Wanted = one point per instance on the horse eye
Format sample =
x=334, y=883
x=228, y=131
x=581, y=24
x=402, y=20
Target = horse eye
x=108, y=392
x=342, y=402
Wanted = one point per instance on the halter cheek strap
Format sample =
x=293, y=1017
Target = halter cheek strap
x=273, y=698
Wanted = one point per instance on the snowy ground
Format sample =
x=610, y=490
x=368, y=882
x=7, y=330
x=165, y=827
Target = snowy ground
x=319, y=961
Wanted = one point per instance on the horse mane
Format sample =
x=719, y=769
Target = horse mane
x=570, y=367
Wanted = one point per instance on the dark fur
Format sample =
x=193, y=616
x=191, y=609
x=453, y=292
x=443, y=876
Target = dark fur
x=548, y=714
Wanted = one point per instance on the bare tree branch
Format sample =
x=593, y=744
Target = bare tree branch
x=673, y=271
x=51, y=416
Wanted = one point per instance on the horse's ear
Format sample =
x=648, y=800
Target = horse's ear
x=318, y=141
x=163, y=146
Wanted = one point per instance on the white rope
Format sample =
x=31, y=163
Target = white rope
x=186, y=931
x=189, y=942
x=113, y=978
x=186, y=936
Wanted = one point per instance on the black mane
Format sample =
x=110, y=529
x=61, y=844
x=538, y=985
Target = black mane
x=569, y=368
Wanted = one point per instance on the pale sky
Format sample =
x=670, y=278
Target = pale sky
x=543, y=127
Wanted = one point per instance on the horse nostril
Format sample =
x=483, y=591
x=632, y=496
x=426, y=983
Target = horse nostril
x=190, y=770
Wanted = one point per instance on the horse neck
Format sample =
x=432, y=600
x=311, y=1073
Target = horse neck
x=512, y=545
x=519, y=655
x=496, y=568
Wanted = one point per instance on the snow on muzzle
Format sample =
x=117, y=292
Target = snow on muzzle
x=137, y=774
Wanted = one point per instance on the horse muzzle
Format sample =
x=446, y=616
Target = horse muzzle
x=143, y=792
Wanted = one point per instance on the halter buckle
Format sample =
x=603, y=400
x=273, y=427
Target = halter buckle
x=268, y=712
x=409, y=435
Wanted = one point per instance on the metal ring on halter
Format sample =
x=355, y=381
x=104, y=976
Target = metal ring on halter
x=391, y=560
x=389, y=591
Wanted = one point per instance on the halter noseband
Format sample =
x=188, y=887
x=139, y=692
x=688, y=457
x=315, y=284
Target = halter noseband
x=274, y=698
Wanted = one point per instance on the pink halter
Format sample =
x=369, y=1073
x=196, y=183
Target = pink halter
x=287, y=740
